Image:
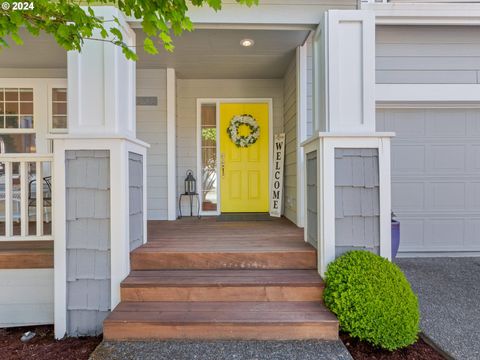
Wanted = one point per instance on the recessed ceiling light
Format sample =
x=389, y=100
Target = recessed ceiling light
x=247, y=42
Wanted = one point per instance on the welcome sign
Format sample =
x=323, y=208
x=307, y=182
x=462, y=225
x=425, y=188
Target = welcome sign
x=276, y=199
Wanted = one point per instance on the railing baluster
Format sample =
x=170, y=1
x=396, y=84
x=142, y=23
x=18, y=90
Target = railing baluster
x=23, y=198
x=8, y=199
x=18, y=191
x=39, y=197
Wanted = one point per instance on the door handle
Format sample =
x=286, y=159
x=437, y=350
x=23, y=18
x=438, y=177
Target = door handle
x=222, y=164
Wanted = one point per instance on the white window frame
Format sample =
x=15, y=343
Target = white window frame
x=51, y=86
x=42, y=107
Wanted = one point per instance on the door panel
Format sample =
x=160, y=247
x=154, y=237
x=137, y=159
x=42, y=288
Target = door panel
x=244, y=171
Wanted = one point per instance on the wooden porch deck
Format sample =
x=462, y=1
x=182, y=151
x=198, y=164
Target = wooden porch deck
x=26, y=254
x=211, y=244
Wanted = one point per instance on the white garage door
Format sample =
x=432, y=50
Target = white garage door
x=435, y=177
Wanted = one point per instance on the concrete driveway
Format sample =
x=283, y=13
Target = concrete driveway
x=221, y=350
x=449, y=293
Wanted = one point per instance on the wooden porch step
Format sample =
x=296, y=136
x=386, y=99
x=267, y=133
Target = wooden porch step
x=149, y=257
x=221, y=321
x=222, y=285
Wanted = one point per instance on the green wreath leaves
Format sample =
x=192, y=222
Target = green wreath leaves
x=241, y=140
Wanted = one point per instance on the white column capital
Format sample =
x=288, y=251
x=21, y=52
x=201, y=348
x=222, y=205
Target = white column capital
x=101, y=83
x=345, y=63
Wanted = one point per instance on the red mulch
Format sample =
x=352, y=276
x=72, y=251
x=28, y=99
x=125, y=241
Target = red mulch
x=361, y=350
x=44, y=346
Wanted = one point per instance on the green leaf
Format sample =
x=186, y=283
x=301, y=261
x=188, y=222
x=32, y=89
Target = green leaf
x=18, y=40
x=117, y=33
x=3, y=43
x=149, y=46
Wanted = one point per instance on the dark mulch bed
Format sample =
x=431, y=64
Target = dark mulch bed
x=44, y=346
x=361, y=350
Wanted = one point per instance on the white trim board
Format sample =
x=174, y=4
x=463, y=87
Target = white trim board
x=415, y=93
x=217, y=102
x=275, y=13
x=424, y=14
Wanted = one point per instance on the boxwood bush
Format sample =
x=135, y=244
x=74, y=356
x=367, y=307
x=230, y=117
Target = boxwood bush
x=372, y=300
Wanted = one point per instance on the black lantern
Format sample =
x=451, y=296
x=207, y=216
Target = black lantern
x=190, y=183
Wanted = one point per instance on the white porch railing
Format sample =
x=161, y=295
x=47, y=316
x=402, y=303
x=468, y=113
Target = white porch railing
x=25, y=185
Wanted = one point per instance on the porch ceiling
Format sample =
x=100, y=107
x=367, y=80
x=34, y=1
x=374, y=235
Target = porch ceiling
x=201, y=54
x=37, y=52
x=217, y=54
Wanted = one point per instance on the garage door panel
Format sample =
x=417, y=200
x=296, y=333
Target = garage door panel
x=408, y=123
x=408, y=196
x=472, y=232
x=473, y=197
x=436, y=177
x=473, y=122
x=440, y=234
x=445, y=158
x=408, y=158
x=444, y=233
x=474, y=158
x=445, y=196
x=446, y=123
x=412, y=234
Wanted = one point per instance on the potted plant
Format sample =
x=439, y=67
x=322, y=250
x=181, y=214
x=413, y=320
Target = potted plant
x=395, y=236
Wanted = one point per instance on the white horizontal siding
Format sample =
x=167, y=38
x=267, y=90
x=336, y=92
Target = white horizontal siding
x=26, y=297
x=428, y=54
x=152, y=128
x=188, y=91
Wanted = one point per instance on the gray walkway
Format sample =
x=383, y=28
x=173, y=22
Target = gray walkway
x=219, y=350
x=449, y=294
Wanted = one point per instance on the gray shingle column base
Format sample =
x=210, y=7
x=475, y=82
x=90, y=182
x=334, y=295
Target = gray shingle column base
x=87, y=182
x=99, y=217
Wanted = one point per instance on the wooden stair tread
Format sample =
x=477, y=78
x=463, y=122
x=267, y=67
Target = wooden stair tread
x=176, y=260
x=221, y=313
x=226, y=248
x=215, y=278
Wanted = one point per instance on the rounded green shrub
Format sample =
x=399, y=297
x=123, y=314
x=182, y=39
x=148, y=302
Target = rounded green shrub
x=372, y=300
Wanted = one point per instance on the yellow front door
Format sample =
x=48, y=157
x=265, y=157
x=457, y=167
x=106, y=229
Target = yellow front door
x=244, y=170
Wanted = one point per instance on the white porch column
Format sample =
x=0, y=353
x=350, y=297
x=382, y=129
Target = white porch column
x=99, y=155
x=101, y=85
x=171, y=145
x=301, y=129
x=344, y=117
